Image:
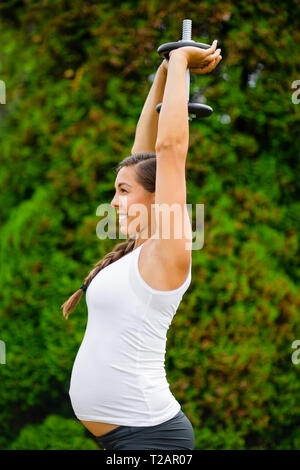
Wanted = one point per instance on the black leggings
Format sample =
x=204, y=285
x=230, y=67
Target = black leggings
x=175, y=434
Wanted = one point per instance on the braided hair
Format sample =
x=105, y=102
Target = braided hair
x=145, y=171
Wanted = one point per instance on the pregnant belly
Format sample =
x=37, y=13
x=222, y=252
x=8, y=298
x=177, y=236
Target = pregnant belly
x=99, y=429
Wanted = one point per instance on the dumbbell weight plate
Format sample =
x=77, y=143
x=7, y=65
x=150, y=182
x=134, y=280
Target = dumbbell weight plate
x=165, y=49
x=198, y=109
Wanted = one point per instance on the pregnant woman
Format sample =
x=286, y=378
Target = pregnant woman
x=118, y=387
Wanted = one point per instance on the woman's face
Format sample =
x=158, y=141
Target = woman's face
x=134, y=202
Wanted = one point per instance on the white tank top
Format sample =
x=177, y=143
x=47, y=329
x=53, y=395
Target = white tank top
x=119, y=376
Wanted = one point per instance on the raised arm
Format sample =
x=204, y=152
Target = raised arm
x=146, y=130
x=173, y=235
x=173, y=125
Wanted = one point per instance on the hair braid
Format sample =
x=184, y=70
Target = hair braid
x=120, y=250
x=145, y=164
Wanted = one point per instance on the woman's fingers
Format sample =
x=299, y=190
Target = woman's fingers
x=215, y=62
x=208, y=59
x=211, y=48
x=214, y=55
x=212, y=58
x=209, y=67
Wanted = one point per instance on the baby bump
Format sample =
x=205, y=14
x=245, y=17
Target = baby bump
x=99, y=429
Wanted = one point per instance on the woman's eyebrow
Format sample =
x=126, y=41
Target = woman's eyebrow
x=120, y=184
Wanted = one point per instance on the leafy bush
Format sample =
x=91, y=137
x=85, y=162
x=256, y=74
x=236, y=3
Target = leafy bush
x=77, y=74
x=55, y=433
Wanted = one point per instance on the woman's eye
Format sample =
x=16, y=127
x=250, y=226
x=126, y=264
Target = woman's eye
x=124, y=190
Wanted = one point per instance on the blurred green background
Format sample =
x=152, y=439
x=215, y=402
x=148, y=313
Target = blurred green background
x=77, y=74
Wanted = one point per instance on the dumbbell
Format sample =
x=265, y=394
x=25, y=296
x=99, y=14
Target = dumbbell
x=196, y=109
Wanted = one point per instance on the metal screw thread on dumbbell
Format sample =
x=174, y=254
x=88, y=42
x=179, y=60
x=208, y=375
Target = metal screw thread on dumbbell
x=187, y=36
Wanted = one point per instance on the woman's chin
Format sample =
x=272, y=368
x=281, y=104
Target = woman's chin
x=125, y=229
x=126, y=232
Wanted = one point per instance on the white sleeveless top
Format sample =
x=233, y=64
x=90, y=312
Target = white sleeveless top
x=118, y=376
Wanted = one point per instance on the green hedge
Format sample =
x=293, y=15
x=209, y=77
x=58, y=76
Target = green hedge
x=77, y=75
x=55, y=433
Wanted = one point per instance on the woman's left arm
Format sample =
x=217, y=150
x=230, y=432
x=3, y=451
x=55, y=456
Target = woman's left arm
x=146, y=130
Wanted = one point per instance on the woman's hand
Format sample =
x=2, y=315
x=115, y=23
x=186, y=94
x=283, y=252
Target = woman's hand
x=164, y=65
x=199, y=60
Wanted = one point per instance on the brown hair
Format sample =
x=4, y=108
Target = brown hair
x=145, y=171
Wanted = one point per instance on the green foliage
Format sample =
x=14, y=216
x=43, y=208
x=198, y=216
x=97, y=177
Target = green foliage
x=55, y=433
x=77, y=75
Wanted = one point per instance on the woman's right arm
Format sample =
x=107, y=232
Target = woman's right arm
x=173, y=124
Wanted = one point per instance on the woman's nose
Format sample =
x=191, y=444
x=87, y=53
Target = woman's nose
x=113, y=204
